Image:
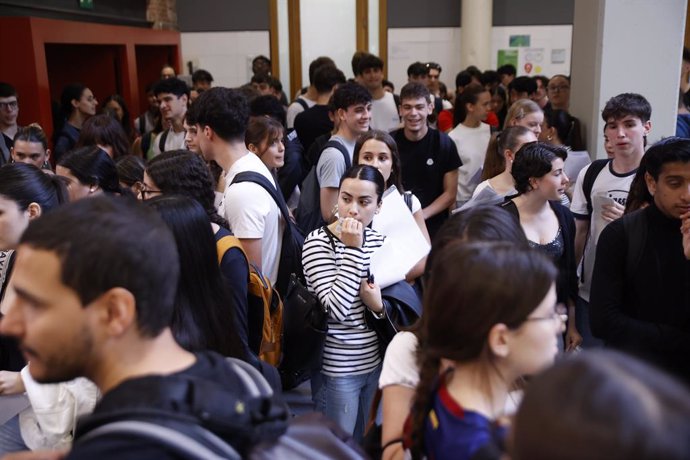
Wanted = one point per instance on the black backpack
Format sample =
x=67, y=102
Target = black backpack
x=293, y=239
x=590, y=176
x=308, y=213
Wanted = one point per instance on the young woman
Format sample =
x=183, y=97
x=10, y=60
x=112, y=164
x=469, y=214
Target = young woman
x=130, y=172
x=77, y=104
x=336, y=262
x=106, y=132
x=527, y=113
x=469, y=362
x=264, y=138
x=400, y=373
x=558, y=129
x=180, y=172
x=31, y=146
x=549, y=226
x=203, y=316
x=116, y=106
x=88, y=171
x=500, y=154
x=378, y=149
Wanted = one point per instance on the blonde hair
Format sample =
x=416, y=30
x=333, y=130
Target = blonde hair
x=520, y=109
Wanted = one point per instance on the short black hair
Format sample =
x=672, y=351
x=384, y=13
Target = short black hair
x=326, y=77
x=523, y=85
x=507, y=69
x=490, y=77
x=349, y=94
x=356, y=57
x=173, y=86
x=533, y=160
x=415, y=90
x=93, y=240
x=462, y=79
x=417, y=69
x=261, y=57
x=7, y=90
x=369, y=61
x=627, y=104
x=224, y=110
x=669, y=150
x=202, y=75
x=316, y=63
x=268, y=105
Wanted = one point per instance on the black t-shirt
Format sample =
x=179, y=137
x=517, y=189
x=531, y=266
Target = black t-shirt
x=311, y=124
x=424, y=163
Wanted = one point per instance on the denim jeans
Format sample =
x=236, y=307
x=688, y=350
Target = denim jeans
x=10, y=437
x=347, y=400
x=583, y=327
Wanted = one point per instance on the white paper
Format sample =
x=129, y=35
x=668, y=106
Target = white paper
x=405, y=244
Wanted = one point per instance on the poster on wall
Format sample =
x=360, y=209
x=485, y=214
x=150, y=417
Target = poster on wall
x=507, y=57
x=532, y=60
x=519, y=41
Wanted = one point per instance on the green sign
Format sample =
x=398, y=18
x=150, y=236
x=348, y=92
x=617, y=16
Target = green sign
x=507, y=57
x=86, y=4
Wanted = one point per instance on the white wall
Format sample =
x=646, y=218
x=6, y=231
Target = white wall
x=227, y=55
x=442, y=44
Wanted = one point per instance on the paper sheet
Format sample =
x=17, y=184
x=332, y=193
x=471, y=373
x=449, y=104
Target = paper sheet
x=405, y=244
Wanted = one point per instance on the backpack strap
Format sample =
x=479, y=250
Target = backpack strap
x=302, y=102
x=161, y=142
x=260, y=179
x=142, y=124
x=590, y=176
x=226, y=243
x=407, y=196
x=173, y=439
x=342, y=149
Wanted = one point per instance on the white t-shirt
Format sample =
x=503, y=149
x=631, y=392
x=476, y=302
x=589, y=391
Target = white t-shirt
x=400, y=363
x=607, y=184
x=471, y=144
x=252, y=213
x=296, y=108
x=384, y=113
x=174, y=141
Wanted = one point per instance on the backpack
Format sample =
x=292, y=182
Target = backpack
x=590, y=176
x=308, y=213
x=194, y=417
x=293, y=239
x=161, y=142
x=264, y=309
x=302, y=102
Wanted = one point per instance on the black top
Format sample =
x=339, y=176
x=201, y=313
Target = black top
x=312, y=123
x=645, y=310
x=294, y=168
x=423, y=164
x=566, y=285
x=65, y=141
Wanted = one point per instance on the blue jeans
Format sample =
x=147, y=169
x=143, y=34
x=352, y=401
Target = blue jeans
x=583, y=327
x=10, y=437
x=347, y=400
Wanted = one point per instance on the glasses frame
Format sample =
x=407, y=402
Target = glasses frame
x=560, y=313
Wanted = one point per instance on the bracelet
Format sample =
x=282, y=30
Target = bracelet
x=380, y=315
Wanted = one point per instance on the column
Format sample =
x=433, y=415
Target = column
x=626, y=46
x=475, y=33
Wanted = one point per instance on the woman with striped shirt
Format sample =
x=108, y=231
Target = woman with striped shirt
x=336, y=266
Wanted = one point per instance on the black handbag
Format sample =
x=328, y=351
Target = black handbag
x=403, y=308
x=305, y=326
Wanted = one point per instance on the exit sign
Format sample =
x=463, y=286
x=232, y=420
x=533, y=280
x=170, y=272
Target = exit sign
x=86, y=4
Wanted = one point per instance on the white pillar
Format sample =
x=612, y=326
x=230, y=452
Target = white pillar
x=475, y=33
x=626, y=46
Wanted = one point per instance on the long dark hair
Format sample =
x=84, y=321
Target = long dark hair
x=105, y=130
x=495, y=160
x=396, y=174
x=181, y=172
x=92, y=166
x=126, y=122
x=203, y=316
x=563, y=122
x=25, y=184
x=469, y=95
x=368, y=173
x=502, y=281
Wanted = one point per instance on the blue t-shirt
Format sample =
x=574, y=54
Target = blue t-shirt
x=454, y=433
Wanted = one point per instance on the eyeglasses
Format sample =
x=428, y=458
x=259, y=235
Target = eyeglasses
x=559, y=314
x=557, y=89
x=145, y=190
x=12, y=105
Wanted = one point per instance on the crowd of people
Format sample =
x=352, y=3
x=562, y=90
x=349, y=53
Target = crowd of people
x=120, y=300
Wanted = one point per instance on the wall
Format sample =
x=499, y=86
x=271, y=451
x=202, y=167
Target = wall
x=123, y=12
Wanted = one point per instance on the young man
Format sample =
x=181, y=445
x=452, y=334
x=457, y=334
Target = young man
x=540, y=96
x=168, y=72
x=146, y=122
x=639, y=300
x=172, y=95
x=308, y=99
x=418, y=73
x=429, y=158
x=507, y=73
x=315, y=121
x=521, y=88
x=9, y=111
x=202, y=80
x=384, y=112
x=352, y=107
x=627, y=126
x=108, y=323
x=471, y=137
x=221, y=116
x=434, y=83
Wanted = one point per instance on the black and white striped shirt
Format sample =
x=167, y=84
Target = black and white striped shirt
x=351, y=347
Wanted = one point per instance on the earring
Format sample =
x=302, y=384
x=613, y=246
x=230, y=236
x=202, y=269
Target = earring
x=550, y=138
